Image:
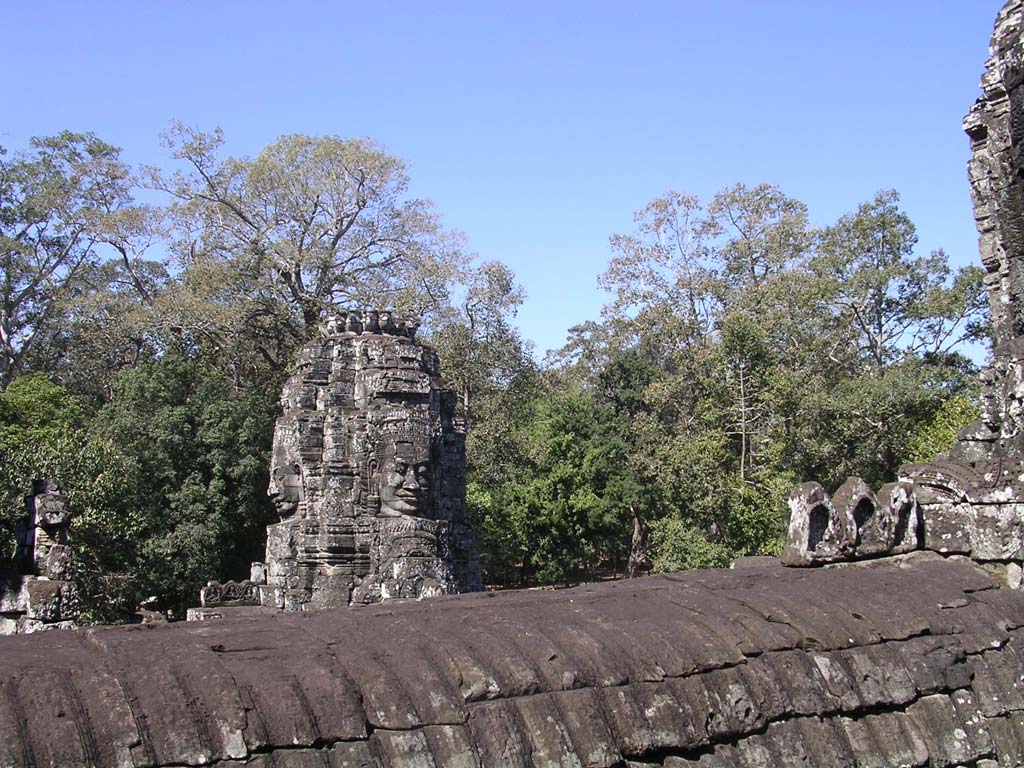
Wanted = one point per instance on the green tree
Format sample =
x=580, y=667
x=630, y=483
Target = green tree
x=43, y=434
x=886, y=301
x=661, y=276
x=782, y=354
x=55, y=201
x=760, y=234
x=202, y=450
x=35, y=416
x=490, y=366
x=938, y=435
x=269, y=243
x=557, y=511
x=625, y=454
x=481, y=352
x=680, y=547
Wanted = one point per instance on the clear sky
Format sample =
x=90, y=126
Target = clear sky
x=538, y=128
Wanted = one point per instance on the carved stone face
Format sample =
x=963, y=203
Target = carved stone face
x=285, y=490
x=405, y=482
x=366, y=470
x=52, y=509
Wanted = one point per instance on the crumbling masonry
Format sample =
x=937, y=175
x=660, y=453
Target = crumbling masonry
x=40, y=592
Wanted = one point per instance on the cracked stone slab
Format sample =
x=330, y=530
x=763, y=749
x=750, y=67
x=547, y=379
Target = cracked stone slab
x=520, y=678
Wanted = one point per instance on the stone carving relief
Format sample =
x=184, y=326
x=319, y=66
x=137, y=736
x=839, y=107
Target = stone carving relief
x=367, y=474
x=852, y=524
x=40, y=594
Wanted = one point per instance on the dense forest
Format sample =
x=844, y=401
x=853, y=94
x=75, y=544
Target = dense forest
x=148, y=318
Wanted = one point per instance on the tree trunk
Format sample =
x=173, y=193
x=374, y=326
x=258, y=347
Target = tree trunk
x=743, y=425
x=637, y=555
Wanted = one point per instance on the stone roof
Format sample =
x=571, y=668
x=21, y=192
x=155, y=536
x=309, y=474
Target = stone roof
x=910, y=660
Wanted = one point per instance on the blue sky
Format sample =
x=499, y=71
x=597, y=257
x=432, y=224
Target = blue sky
x=538, y=128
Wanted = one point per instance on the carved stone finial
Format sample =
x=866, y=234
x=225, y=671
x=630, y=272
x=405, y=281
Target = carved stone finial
x=372, y=321
x=852, y=524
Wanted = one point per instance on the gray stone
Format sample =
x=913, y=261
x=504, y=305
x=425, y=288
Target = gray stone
x=367, y=474
x=229, y=593
x=1014, y=576
x=41, y=594
x=854, y=523
x=464, y=681
x=816, y=534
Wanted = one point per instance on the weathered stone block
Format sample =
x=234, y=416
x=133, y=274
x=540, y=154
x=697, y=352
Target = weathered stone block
x=816, y=533
x=903, y=514
x=867, y=530
x=854, y=523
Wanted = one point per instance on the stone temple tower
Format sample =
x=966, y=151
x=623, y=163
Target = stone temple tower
x=368, y=475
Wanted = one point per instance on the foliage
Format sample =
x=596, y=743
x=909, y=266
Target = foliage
x=42, y=435
x=203, y=452
x=887, y=302
x=680, y=547
x=270, y=243
x=741, y=351
x=773, y=352
x=482, y=353
x=56, y=201
x=36, y=419
x=936, y=436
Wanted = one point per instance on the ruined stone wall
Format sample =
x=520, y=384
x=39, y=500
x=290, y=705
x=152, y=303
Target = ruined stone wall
x=39, y=593
x=913, y=661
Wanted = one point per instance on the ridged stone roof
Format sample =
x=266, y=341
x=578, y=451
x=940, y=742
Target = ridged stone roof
x=915, y=660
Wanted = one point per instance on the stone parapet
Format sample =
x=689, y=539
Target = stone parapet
x=910, y=660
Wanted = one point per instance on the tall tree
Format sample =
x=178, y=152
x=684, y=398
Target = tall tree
x=760, y=233
x=480, y=349
x=55, y=201
x=661, y=275
x=886, y=301
x=44, y=434
x=202, y=449
x=307, y=224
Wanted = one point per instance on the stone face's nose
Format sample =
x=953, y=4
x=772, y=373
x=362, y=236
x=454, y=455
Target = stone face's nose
x=415, y=478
